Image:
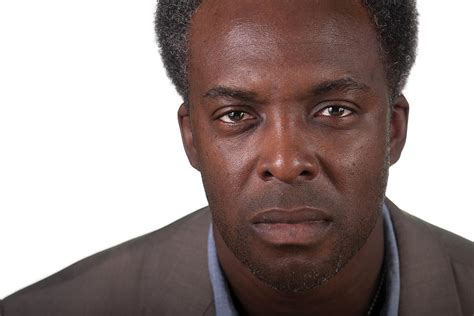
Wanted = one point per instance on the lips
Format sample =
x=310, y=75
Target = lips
x=294, y=216
x=296, y=227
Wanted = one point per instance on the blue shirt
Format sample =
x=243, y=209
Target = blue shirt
x=223, y=301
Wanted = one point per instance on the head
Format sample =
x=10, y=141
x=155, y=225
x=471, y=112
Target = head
x=293, y=114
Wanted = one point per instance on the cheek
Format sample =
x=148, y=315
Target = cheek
x=354, y=161
x=361, y=170
x=225, y=171
x=225, y=168
x=368, y=170
x=363, y=157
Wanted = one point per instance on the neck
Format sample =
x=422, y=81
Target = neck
x=349, y=292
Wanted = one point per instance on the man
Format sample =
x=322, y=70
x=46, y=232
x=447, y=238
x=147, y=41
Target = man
x=293, y=113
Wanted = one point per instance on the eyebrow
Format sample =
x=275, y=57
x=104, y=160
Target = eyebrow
x=338, y=85
x=227, y=92
x=319, y=89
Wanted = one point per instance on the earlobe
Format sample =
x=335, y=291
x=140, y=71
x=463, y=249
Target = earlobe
x=185, y=127
x=399, y=127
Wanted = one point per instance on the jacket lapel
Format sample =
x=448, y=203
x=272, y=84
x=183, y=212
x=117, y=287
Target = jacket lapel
x=175, y=278
x=426, y=277
x=180, y=267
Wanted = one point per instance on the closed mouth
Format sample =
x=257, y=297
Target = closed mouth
x=291, y=216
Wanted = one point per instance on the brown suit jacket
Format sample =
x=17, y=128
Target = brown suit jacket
x=165, y=273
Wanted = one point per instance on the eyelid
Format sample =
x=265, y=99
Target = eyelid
x=218, y=114
x=342, y=104
x=227, y=113
x=344, y=108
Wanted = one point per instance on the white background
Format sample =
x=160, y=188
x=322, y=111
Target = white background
x=90, y=152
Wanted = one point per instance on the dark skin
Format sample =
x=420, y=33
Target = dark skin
x=291, y=126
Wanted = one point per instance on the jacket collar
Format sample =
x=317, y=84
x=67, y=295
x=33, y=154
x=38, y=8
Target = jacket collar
x=175, y=277
x=426, y=276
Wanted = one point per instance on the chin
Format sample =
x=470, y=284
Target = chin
x=296, y=277
x=294, y=269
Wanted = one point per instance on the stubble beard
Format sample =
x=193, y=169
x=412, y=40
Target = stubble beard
x=295, y=277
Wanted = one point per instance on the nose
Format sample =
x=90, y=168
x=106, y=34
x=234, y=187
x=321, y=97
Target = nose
x=287, y=155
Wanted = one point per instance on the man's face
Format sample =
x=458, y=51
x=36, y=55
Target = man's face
x=289, y=126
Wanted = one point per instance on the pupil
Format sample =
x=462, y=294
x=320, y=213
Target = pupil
x=236, y=116
x=336, y=110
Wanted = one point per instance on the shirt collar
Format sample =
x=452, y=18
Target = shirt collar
x=223, y=300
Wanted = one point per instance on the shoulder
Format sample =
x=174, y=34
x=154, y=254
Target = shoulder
x=145, y=275
x=416, y=230
x=436, y=266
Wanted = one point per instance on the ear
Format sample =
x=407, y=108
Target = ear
x=185, y=127
x=399, y=126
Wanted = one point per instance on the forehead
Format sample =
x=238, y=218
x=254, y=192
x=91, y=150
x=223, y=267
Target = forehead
x=299, y=17
x=234, y=39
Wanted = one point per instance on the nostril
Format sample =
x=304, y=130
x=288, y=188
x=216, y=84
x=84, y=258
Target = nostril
x=305, y=173
x=288, y=170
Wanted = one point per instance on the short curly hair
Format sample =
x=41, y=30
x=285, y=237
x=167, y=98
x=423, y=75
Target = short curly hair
x=395, y=22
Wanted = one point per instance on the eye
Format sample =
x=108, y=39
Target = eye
x=335, y=111
x=235, y=117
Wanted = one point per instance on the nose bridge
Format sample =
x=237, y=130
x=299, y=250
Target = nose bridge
x=286, y=138
x=286, y=153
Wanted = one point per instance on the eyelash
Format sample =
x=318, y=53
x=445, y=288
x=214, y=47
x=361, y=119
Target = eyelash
x=233, y=122
x=245, y=114
x=326, y=109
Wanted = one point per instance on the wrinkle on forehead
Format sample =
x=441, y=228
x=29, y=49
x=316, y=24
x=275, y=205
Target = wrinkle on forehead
x=256, y=38
x=256, y=25
x=244, y=41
